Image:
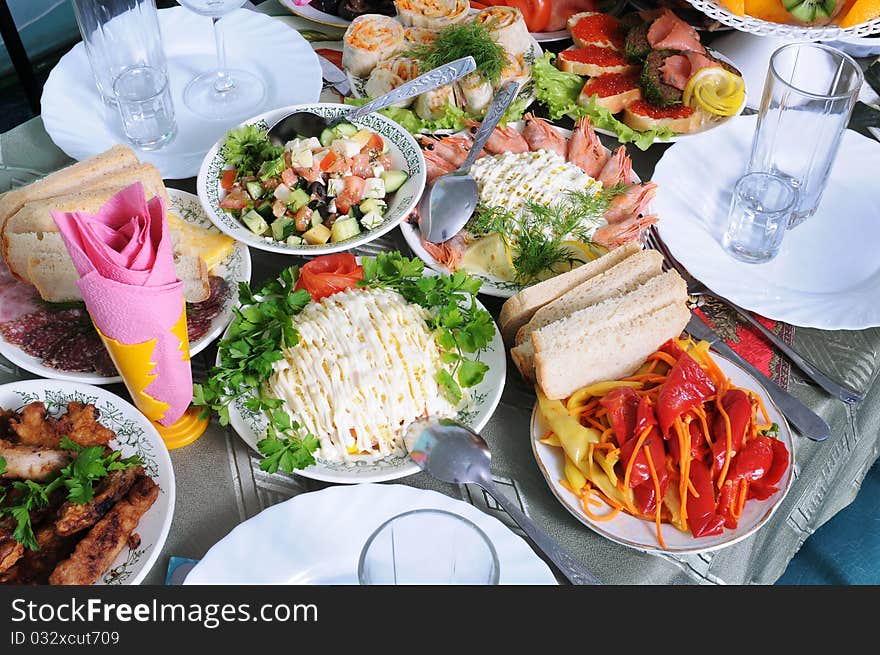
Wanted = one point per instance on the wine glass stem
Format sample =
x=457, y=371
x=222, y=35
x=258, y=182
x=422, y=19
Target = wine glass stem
x=223, y=82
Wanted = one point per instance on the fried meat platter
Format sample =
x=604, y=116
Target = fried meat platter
x=69, y=502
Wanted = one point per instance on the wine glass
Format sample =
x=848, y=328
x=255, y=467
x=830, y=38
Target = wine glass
x=224, y=92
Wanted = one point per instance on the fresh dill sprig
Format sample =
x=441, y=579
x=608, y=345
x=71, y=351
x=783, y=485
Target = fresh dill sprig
x=457, y=41
x=489, y=219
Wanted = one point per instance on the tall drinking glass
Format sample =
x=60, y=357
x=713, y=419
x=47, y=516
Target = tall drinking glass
x=809, y=95
x=119, y=35
x=224, y=92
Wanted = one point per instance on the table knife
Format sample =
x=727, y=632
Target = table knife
x=334, y=76
x=805, y=420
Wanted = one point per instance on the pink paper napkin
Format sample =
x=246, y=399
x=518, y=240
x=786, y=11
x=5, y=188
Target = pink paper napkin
x=124, y=258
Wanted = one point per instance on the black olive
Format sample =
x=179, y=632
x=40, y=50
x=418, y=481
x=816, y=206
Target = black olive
x=317, y=189
x=315, y=204
x=323, y=210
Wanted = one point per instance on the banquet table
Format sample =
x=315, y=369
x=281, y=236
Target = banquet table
x=219, y=483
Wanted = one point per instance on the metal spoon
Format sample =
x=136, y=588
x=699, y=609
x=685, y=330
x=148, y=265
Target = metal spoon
x=304, y=124
x=447, y=205
x=452, y=452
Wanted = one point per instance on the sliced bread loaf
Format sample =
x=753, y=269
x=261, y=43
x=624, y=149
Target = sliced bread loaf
x=53, y=274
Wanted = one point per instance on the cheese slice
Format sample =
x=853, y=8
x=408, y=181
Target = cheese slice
x=212, y=247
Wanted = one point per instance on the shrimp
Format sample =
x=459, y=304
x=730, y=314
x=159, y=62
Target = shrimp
x=448, y=253
x=618, y=234
x=502, y=139
x=630, y=203
x=453, y=149
x=585, y=150
x=436, y=165
x=540, y=135
x=617, y=169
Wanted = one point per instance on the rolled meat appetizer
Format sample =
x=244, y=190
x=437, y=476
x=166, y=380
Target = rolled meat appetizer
x=369, y=40
x=474, y=93
x=433, y=14
x=418, y=36
x=516, y=69
x=431, y=105
x=389, y=75
x=508, y=28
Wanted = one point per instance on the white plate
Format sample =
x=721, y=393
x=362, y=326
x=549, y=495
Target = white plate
x=234, y=269
x=706, y=127
x=641, y=534
x=316, y=538
x=492, y=285
x=405, y=155
x=251, y=426
x=81, y=124
x=135, y=435
x=827, y=274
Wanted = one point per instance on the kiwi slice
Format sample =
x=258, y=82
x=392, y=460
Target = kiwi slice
x=811, y=11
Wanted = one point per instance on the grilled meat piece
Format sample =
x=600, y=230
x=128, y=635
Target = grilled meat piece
x=73, y=517
x=81, y=425
x=96, y=551
x=35, y=566
x=32, y=462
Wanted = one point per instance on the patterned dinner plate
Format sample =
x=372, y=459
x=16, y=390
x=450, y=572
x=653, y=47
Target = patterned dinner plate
x=405, y=155
x=641, y=534
x=235, y=268
x=135, y=435
x=483, y=399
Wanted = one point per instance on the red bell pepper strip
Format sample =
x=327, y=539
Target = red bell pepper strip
x=640, y=473
x=702, y=519
x=726, y=503
x=622, y=404
x=738, y=408
x=672, y=349
x=699, y=445
x=686, y=386
x=753, y=461
x=766, y=486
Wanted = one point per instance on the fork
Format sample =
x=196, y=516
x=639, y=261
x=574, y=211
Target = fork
x=697, y=288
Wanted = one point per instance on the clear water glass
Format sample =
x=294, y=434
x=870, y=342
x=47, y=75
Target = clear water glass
x=809, y=95
x=118, y=35
x=760, y=211
x=144, y=102
x=428, y=547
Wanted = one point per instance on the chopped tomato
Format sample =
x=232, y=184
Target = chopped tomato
x=228, y=178
x=374, y=145
x=289, y=177
x=328, y=161
x=236, y=199
x=351, y=194
x=360, y=165
x=329, y=274
x=335, y=56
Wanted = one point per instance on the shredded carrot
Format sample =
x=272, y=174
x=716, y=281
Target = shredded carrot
x=728, y=453
x=547, y=435
x=597, y=517
x=645, y=377
x=604, y=445
x=657, y=500
x=596, y=424
x=564, y=483
x=663, y=357
x=606, y=435
x=767, y=422
x=632, y=459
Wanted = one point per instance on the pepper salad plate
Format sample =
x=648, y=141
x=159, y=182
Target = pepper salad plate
x=641, y=534
x=135, y=435
x=316, y=538
x=827, y=273
x=206, y=320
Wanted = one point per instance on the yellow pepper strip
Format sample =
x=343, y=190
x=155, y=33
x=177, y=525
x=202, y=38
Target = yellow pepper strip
x=574, y=477
x=599, y=389
x=673, y=504
x=607, y=462
x=552, y=440
x=573, y=436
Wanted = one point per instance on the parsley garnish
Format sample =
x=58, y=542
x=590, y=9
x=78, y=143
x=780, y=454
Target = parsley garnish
x=246, y=148
x=2, y=467
x=264, y=325
x=79, y=477
x=772, y=431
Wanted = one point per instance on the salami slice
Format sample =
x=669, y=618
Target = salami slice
x=39, y=342
x=200, y=315
x=74, y=352
x=15, y=331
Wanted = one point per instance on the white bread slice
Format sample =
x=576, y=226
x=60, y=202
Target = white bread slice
x=609, y=353
x=36, y=216
x=620, y=279
x=619, y=308
x=615, y=103
x=54, y=276
x=641, y=122
x=592, y=69
x=77, y=176
x=517, y=310
x=33, y=244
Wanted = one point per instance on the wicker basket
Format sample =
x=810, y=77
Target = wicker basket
x=793, y=32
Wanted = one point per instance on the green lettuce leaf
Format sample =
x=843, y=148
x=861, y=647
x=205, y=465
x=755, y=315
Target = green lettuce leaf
x=558, y=91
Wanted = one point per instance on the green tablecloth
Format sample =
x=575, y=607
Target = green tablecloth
x=219, y=483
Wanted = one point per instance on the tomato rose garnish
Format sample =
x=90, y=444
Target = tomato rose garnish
x=329, y=274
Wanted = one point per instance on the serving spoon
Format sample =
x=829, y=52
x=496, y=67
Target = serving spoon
x=305, y=124
x=447, y=205
x=454, y=453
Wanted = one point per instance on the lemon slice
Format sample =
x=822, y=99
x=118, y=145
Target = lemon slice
x=716, y=90
x=577, y=254
x=491, y=255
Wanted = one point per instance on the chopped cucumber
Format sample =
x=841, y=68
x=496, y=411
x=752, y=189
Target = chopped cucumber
x=394, y=180
x=264, y=207
x=254, y=222
x=372, y=205
x=345, y=130
x=344, y=228
x=317, y=235
x=279, y=225
x=298, y=198
x=316, y=219
x=293, y=240
x=254, y=189
x=327, y=136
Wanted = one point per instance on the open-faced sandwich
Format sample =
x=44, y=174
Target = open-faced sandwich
x=42, y=311
x=69, y=502
x=643, y=76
